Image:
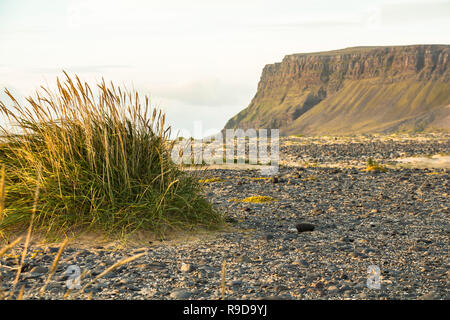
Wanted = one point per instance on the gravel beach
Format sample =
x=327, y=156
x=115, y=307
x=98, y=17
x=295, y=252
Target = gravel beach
x=395, y=221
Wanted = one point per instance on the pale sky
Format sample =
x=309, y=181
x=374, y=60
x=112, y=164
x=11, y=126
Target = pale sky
x=199, y=60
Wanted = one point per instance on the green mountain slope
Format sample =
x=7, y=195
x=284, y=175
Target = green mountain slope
x=354, y=90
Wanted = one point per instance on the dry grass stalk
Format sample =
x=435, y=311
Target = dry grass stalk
x=2, y=192
x=9, y=246
x=28, y=238
x=108, y=270
x=67, y=294
x=224, y=266
x=54, y=266
x=103, y=154
x=2, y=196
x=20, y=296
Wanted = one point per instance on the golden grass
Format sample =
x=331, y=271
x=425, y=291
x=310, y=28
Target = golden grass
x=105, y=165
x=224, y=270
x=20, y=295
x=28, y=238
x=79, y=118
x=254, y=199
x=111, y=268
x=54, y=266
x=9, y=246
x=373, y=166
x=211, y=180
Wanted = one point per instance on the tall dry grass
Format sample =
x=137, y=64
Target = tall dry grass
x=89, y=161
x=104, y=159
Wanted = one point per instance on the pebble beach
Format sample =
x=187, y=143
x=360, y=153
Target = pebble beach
x=396, y=221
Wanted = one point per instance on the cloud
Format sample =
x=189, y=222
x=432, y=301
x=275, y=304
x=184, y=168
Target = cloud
x=396, y=13
x=415, y=12
x=316, y=24
x=81, y=69
x=210, y=92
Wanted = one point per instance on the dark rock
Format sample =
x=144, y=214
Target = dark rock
x=230, y=220
x=302, y=227
x=347, y=239
x=236, y=283
x=39, y=270
x=53, y=249
x=268, y=236
x=157, y=266
x=280, y=288
x=27, y=266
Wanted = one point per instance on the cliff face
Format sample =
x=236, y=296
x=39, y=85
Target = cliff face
x=353, y=90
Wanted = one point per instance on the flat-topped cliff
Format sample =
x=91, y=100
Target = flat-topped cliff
x=353, y=90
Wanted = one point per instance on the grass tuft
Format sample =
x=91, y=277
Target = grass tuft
x=373, y=166
x=104, y=165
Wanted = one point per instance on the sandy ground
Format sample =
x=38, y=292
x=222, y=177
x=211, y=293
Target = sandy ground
x=434, y=162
